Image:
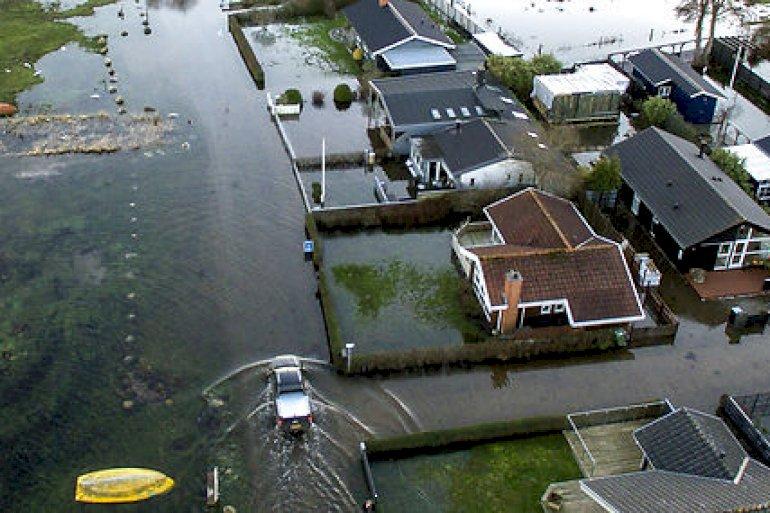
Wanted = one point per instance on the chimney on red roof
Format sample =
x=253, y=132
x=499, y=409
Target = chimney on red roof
x=383, y=3
x=514, y=284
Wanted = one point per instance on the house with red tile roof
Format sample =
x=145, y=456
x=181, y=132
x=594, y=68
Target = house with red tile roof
x=537, y=262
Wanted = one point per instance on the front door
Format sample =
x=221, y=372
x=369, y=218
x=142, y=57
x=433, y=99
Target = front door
x=724, y=256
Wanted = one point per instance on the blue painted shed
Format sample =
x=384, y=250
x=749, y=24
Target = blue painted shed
x=669, y=76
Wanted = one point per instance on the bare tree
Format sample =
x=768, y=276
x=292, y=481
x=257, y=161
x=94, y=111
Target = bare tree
x=695, y=11
x=717, y=10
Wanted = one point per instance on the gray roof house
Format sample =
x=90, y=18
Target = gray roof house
x=414, y=105
x=695, y=466
x=696, y=213
x=480, y=153
x=400, y=36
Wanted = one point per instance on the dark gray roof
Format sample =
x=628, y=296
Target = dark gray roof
x=690, y=196
x=419, y=21
x=657, y=491
x=763, y=144
x=381, y=27
x=410, y=99
x=377, y=26
x=691, y=442
x=660, y=67
x=469, y=146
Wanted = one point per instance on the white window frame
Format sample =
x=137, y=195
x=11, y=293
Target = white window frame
x=635, y=202
x=664, y=91
x=559, y=308
x=545, y=309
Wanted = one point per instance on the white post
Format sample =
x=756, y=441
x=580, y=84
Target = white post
x=735, y=66
x=323, y=171
x=349, y=354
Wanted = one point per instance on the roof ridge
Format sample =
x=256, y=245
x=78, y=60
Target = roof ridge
x=670, y=61
x=408, y=26
x=690, y=414
x=551, y=220
x=499, y=140
x=539, y=251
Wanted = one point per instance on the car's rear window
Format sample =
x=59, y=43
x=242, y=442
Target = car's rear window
x=289, y=381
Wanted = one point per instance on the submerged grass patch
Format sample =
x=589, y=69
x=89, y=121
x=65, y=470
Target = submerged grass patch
x=493, y=477
x=316, y=33
x=435, y=296
x=28, y=31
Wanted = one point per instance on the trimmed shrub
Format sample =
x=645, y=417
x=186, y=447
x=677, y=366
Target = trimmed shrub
x=657, y=110
x=343, y=94
x=290, y=97
x=517, y=74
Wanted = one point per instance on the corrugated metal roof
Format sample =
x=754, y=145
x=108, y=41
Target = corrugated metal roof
x=690, y=196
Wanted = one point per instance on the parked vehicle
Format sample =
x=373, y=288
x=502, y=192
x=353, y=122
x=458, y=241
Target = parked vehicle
x=292, y=403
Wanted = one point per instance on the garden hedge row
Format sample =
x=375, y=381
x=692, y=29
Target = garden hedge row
x=431, y=441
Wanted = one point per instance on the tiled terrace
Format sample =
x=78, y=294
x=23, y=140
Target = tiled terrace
x=733, y=283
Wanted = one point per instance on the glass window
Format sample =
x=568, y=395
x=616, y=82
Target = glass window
x=451, y=113
x=545, y=309
x=558, y=308
x=664, y=91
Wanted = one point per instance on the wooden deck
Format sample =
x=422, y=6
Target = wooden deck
x=567, y=497
x=611, y=445
x=728, y=284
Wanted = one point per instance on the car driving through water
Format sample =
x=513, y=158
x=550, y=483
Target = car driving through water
x=292, y=402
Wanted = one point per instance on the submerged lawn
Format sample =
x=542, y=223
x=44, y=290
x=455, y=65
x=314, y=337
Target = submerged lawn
x=315, y=33
x=497, y=477
x=434, y=296
x=28, y=31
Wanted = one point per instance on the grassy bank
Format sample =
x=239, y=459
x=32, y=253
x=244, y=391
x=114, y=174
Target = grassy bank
x=28, y=31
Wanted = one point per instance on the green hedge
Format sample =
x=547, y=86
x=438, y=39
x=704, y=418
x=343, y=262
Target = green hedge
x=493, y=350
x=430, y=441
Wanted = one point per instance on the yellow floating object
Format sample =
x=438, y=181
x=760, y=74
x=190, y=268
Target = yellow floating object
x=119, y=485
x=358, y=54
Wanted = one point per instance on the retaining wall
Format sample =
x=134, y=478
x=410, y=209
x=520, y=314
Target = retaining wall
x=247, y=53
x=429, y=209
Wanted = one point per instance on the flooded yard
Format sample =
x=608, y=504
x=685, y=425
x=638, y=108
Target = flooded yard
x=290, y=64
x=396, y=291
x=493, y=477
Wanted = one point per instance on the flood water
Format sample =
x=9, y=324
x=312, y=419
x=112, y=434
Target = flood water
x=585, y=30
x=148, y=275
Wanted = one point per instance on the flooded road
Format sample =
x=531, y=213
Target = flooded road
x=136, y=281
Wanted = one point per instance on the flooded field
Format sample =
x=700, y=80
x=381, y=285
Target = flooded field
x=395, y=291
x=584, y=30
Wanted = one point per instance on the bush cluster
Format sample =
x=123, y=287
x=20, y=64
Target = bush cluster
x=517, y=73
